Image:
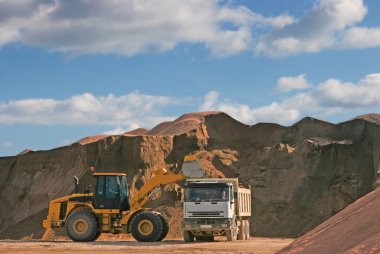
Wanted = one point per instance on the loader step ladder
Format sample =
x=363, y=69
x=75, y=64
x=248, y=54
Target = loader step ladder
x=106, y=222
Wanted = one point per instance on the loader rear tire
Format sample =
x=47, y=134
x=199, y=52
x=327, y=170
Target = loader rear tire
x=97, y=235
x=147, y=227
x=165, y=225
x=82, y=227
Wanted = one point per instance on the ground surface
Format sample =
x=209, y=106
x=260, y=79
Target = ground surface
x=255, y=245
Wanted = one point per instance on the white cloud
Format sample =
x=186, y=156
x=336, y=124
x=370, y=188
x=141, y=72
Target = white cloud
x=244, y=113
x=131, y=27
x=361, y=37
x=329, y=25
x=116, y=131
x=333, y=96
x=86, y=109
x=67, y=142
x=209, y=100
x=134, y=110
x=348, y=95
x=287, y=84
x=330, y=97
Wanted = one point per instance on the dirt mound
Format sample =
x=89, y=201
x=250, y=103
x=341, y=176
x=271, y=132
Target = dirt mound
x=138, y=131
x=183, y=124
x=374, y=118
x=91, y=139
x=356, y=229
x=300, y=175
x=25, y=152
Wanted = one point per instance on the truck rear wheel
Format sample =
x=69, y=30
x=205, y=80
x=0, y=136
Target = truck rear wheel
x=247, y=233
x=147, y=227
x=165, y=225
x=188, y=236
x=82, y=227
x=242, y=230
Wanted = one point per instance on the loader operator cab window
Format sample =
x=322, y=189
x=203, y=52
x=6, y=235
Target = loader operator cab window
x=112, y=192
x=100, y=186
x=112, y=188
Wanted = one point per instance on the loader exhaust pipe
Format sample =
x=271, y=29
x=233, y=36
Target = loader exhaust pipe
x=76, y=184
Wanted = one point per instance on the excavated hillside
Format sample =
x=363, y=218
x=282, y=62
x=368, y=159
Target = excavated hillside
x=300, y=175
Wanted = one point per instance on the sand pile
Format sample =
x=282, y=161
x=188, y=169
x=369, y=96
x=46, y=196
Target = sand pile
x=91, y=139
x=300, y=175
x=374, y=118
x=138, y=131
x=356, y=229
x=183, y=124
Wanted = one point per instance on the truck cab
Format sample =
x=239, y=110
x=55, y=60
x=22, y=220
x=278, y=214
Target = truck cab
x=208, y=200
x=216, y=207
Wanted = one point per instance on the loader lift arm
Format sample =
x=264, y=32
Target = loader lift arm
x=162, y=178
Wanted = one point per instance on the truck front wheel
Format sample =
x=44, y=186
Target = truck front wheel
x=188, y=236
x=231, y=235
x=165, y=225
x=147, y=227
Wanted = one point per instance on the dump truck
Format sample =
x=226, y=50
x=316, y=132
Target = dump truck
x=216, y=207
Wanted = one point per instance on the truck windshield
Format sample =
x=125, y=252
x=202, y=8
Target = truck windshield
x=208, y=194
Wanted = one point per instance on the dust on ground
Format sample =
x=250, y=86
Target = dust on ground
x=255, y=245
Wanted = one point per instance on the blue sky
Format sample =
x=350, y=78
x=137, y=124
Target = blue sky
x=70, y=69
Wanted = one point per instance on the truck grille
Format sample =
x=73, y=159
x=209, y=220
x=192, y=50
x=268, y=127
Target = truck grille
x=206, y=214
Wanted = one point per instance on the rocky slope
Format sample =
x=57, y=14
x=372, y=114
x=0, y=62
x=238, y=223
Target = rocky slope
x=300, y=175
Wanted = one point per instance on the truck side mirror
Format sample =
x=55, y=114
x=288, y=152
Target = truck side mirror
x=179, y=193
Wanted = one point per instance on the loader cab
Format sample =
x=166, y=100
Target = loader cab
x=111, y=191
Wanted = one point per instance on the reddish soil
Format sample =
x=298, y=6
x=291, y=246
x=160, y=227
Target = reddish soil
x=91, y=139
x=139, y=131
x=181, y=125
x=354, y=230
x=25, y=152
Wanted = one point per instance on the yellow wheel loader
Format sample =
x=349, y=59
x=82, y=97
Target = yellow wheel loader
x=111, y=210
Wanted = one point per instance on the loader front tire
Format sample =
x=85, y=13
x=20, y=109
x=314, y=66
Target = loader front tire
x=82, y=227
x=147, y=227
x=165, y=225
